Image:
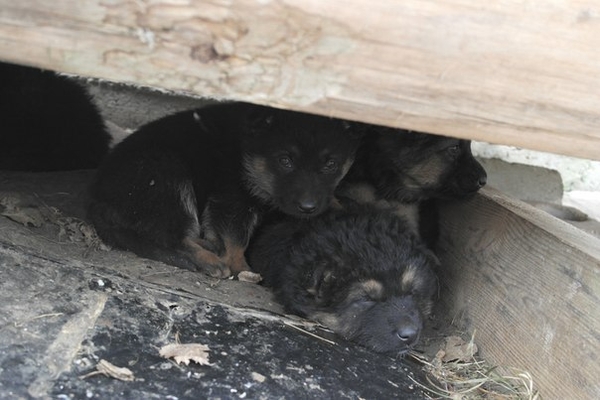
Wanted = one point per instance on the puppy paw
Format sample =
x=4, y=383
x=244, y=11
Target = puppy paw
x=219, y=271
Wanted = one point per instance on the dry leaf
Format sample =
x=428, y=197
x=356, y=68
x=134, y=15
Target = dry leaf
x=25, y=216
x=456, y=349
x=112, y=371
x=21, y=208
x=184, y=353
x=249, y=276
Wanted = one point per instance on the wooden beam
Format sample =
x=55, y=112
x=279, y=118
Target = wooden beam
x=519, y=73
x=529, y=286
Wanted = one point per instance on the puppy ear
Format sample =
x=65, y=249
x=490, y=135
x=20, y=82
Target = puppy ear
x=432, y=258
x=356, y=129
x=198, y=120
x=259, y=118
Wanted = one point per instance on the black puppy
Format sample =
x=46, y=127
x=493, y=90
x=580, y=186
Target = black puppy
x=409, y=171
x=190, y=188
x=49, y=122
x=361, y=272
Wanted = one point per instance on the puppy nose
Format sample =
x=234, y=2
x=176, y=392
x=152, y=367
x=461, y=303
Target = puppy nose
x=482, y=181
x=307, y=207
x=408, y=334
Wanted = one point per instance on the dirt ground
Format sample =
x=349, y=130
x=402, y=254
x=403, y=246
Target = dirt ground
x=70, y=307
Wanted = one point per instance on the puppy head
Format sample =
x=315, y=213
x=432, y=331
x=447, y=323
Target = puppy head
x=423, y=166
x=392, y=326
x=294, y=161
x=466, y=176
x=378, y=318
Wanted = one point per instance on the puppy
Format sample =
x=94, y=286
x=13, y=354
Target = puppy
x=49, y=122
x=361, y=272
x=190, y=188
x=409, y=172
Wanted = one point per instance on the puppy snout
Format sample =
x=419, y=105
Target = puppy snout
x=307, y=206
x=408, y=334
x=482, y=181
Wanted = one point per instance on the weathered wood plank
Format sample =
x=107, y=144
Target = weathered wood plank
x=519, y=73
x=529, y=285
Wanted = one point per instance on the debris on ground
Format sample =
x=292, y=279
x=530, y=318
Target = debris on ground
x=112, y=371
x=184, y=353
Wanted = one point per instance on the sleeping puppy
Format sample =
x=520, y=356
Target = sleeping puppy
x=190, y=188
x=409, y=172
x=360, y=272
x=49, y=122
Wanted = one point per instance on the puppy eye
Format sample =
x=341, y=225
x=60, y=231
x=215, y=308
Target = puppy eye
x=364, y=302
x=285, y=162
x=330, y=166
x=453, y=151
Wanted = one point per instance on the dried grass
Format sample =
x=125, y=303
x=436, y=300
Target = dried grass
x=473, y=379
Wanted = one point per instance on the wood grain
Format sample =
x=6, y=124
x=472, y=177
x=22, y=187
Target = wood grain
x=529, y=285
x=508, y=72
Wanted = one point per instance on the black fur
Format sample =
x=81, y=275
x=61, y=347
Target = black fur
x=48, y=122
x=190, y=188
x=410, y=171
x=363, y=273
